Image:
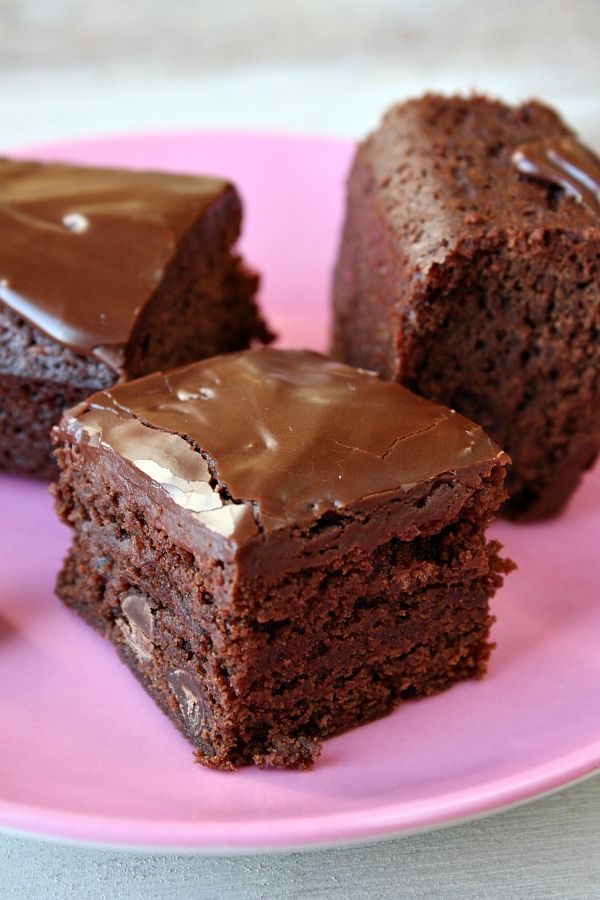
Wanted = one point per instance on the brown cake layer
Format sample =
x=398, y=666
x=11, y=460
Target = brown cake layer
x=274, y=590
x=478, y=285
x=107, y=275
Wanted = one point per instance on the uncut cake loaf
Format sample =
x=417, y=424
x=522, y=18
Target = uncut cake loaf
x=469, y=270
x=107, y=275
x=279, y=546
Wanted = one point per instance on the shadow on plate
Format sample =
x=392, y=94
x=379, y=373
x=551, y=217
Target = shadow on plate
x=8, y=631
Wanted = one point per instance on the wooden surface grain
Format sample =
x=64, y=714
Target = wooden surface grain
x=76, y=67
x=547, y=849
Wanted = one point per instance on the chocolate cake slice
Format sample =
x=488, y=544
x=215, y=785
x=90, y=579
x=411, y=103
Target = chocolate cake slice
x=469, y=270
x=107, y=275
x=280, y=547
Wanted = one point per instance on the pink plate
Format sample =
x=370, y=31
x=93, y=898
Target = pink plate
x=86, y=756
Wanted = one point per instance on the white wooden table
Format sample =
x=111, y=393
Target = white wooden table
x=548, y=849
x=71, y=68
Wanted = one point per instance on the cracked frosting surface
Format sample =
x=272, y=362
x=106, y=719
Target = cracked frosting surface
x=263, y=439
x=83, y=249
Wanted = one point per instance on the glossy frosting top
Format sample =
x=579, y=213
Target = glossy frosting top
x=83, y=249
x=563, y=162
x=258, y=440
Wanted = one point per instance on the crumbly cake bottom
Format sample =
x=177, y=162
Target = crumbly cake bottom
x=356, y=638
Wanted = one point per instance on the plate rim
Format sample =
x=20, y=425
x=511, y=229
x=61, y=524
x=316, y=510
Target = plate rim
x=386, y=832
x=375, y=823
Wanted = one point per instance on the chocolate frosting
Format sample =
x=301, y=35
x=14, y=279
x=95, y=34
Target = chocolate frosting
x=254, y=441
x=563, y=162
x=82, y=250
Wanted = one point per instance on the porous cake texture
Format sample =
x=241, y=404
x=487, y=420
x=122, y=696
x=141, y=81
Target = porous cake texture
x=469, y=270
x=279, y=546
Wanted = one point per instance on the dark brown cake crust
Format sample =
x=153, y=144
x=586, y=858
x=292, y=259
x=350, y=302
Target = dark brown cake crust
x=354, y=575
x=476, y=285
x=39, y=379
x=69, y=327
